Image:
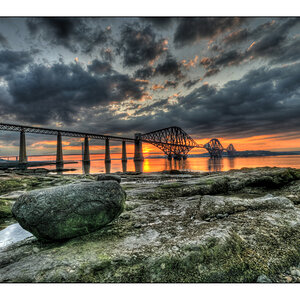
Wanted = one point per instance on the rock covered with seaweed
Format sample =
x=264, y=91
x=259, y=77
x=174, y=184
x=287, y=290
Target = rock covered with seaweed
x=69, y=210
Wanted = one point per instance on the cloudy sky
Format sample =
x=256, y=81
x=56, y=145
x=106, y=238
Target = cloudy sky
x=236, y=79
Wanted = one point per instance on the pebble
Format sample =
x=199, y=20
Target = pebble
x=125, y=216
x=35, y=250
x=288, y=278
x=263, y=279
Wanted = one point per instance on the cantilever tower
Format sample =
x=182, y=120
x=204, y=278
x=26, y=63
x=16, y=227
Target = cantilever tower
x=176, y=143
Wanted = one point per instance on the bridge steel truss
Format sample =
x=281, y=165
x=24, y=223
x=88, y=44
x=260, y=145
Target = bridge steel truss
x=173, y=141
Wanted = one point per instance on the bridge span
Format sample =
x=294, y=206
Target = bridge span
x=173, y=141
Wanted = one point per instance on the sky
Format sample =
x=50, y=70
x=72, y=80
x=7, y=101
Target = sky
x=236, y=79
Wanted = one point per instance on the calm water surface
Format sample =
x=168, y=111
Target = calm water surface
x=98, y=165
x=15, y=232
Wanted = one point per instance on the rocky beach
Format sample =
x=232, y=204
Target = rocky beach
x=235, y=226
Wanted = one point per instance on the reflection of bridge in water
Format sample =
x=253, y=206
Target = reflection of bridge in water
x=173, y=141
x=215, y=164
x=208, y=164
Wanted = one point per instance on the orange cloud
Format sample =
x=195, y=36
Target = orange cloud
x=251, y=46
x=157, y=87
x=209, y=43
x=146, y=96
x=191, y=63
x=165, y=43
x=142, y=80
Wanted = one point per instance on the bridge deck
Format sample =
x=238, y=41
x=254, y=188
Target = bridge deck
x=51, y=131
x=41, y=130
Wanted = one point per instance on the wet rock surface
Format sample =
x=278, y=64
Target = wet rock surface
x=236, y=226
x=69, y=210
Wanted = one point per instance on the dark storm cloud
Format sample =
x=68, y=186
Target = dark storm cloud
x=168, y=84
x=264, y=101
x=287, y=53
x=274, y=28
x=236, y=36
x=99, y=67
x=188, y=84
x=107, y=54
x=58, y=93
x=192, y=30
x=153, y=107
x=13, y=61
x=230, y=58
x=274, y=45
x=267, y=36
x=159, y=22
x=170, y=67
x=139, y=46
x=3, y=41
x=172, y=84
x=144, y=73
x=277, y=45
x=72, y=33
x=244, y=34
x=211, y=72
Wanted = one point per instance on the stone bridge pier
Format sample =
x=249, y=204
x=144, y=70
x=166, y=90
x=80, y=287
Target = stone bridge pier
x=107, y=151
x=59, y=151
x=22, y=149
x=124, y=156
x=138, y=147
x=86, y=151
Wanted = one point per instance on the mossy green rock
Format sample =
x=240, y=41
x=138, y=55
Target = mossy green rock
x=70, y=210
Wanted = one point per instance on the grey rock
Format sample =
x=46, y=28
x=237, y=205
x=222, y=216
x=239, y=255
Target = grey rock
x=216, y=206
x=263, y=279
x=295, y=272
x=70, y=210
x=103, y=177
x=220, y=216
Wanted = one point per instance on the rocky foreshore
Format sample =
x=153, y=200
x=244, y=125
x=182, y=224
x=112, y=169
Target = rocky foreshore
x=235, y=226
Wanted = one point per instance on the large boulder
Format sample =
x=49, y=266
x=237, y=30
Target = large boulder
x=70, y=210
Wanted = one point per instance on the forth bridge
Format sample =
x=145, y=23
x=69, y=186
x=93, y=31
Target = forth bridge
x=173, y=141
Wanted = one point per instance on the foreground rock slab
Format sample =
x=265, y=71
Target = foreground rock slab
x=237, y=226
x=70, y=210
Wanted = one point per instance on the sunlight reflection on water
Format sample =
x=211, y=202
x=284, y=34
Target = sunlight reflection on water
x=205, y=164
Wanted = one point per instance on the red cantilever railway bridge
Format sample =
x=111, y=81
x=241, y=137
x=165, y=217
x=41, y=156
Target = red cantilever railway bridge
x=173, y=141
